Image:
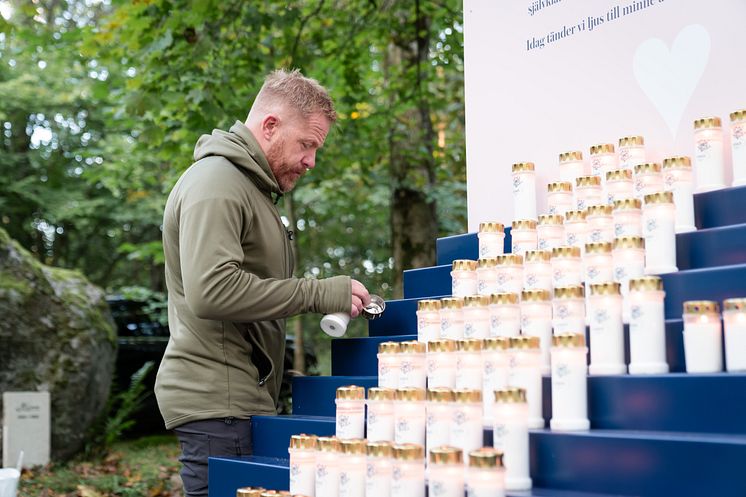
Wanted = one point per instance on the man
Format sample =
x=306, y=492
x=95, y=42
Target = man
x=229, y=273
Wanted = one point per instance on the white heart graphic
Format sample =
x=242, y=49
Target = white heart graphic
x=669, y=77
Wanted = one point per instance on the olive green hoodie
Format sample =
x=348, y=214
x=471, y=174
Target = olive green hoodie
x=230, y=285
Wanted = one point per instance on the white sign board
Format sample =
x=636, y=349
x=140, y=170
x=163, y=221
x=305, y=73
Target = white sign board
x=26, y=427
x=549, y=76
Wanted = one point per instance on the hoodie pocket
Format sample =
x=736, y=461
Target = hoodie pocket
x=259, y=357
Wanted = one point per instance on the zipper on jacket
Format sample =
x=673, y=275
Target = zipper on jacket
x=262, y=381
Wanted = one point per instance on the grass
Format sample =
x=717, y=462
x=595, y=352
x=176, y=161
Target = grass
x=144, y=467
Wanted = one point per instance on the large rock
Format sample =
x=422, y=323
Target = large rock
x=56, y=335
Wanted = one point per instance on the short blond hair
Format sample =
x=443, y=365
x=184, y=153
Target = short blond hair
x=300, y=93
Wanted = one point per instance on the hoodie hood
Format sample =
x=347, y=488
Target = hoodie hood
x=240, y=147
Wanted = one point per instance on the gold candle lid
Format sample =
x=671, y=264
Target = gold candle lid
x=270, y=493
x=250, y=491
x=511, y=395
x=608, y=288
x=469, y=344
x=351, y=392
x=409, y=452
x=353, y=446
x=285, y=493
x=598, y=248
x=327, y=444
x=583, y=181
x=496, y=343
x=440, y=394
x=464, y=265
x=701, y=307
x=598, y=210
x=380, y=448
x=627, y=203
x=574, y=216
x=509, y=260
x=428, y=305
x=381, y=393
x=559, y=186
x=550, y=219
x=629, y=242
x=413, y=347
x=441, y=345
x=648, y=167
x=603, y=148
x=504, y=298
x=524, y=224
x=410, y=394
x=569, y=292
x=535, y=296
x=446, y=455
x=707, y=122
x=486, y=457
x=619, y=175
x=569, y=340
x=565, y=251
x=677, y=162
x=476, y=300
x=571, y=156
x=659, y=198
x=734, y=304
x=452, y=303
x=388, y=347
x=738, y=115
x=303, y=441
x=467, y=395
x=524, y=342
x=631, y=141
x=645, y=283
x=487, y=262
x=523, y=166
x=538, y=255
x=491, y=227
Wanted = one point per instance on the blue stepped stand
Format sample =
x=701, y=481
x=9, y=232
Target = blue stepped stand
x=315, y=395
x=450, y=248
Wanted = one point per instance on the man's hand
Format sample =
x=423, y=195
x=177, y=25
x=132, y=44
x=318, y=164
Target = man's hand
x=360, y=298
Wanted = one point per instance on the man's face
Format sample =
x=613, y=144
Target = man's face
x=292, y=150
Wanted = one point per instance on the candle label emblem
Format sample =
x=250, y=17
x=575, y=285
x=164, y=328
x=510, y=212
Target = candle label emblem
x=620, y=273
x=371, y=472
x=517, y=182
x=438, y=488
x=651, y=225
x=601, y=316
x=344, y=479
x=343, y=421
x=562, y=312
x=636, y=312
x=321, y=471
x=403, y=426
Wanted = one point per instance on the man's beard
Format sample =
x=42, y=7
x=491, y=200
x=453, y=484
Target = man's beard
x=283, y=171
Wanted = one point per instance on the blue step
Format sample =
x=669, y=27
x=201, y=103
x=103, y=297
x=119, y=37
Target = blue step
x=357, y=356
x=314, y=395
x=400, y=317
x=271, y=434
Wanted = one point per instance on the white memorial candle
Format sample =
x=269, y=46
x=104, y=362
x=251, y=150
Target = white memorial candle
x=380, y=415
x=738, y=146
x=537, y=270
x=327, y=467
x=677, y=178
x=550, y=232
x=734, y=318
x=576, y=229
x=708, y=154
x=510, y=436
x=466, y=424
x=352, y=468
x=509, y=270
x=628, y=256
x=469, y=363
x=567, y=268
x=603, y=159
x=659, y=228
x=536, y=321
x=491, y=238
x=428, y=320
x=350, y=416
x=606, y=330
x=560, y=198
x=379, y=469
x=505, y=315
x=302, y=452
x=463, y=278
x=477, y=316
x=409, y=416
x=524, y=190
x=408, y=475
x=445, y=473
x=600, y=224
x=412, y=372
x=631, y=151
x=441, y=363
x=571, y=166
x=525, y=372
x=647, y=326
x=588, y=191
x=619, y=185
x=569, y=383
x=568, y=309
x=485, y=476
x=648, y=179
x=487, y=276
x=703, y=337
x=452, y=318
x=496, y=360
x=523, y=236
x=439, y=417
x=627, y=217
x=388, y=364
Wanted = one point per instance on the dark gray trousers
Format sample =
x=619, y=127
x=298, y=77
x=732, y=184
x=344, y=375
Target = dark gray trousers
x=209, y=438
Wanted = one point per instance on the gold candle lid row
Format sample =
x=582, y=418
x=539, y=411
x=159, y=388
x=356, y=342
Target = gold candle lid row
x=476, y=300
x=659, y=198
x=509, y=259
x=598, y=248
x=631, y=141
x=627, y=203
x=511, y=395
x=446, y=455
x=738, y=115
x=491, y=227
x=626, y=242
x=452, y=303
x=523, y=166
x=504, y=298
x=574, y=216
x=467, y=395
x=388, y=347
x=583, y=181
x=538, y=255
x=380, y=449
x=469, y=344
x=603, y=148
x=608, y=288
x=701, y=307
x=486, y=457
x=598, y=210
x=550, y=219
x=441, y=345
x=351, y=392
x=524, y=342
x=440, y=394
x=327, y=444
x=707, y=122
x=428, y=305
x=409, y=452
x=497, y=343
x=524, y=224
x=674, y=162
x=569, y=292
x=569, y=340
x=487, y=262
x=619, y=174
x=565, y=251
x=648, y=167
x=303, y=441
x=353, y=446
x=464, y=265
x=410, y=394
x=559, y=186
x=381, y=393
x=535, y=296
x=571, y=156
x=645, y=283
x=735, y=304
x=413, y=347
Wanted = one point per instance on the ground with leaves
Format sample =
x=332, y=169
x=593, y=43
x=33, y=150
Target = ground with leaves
x=145, y=467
